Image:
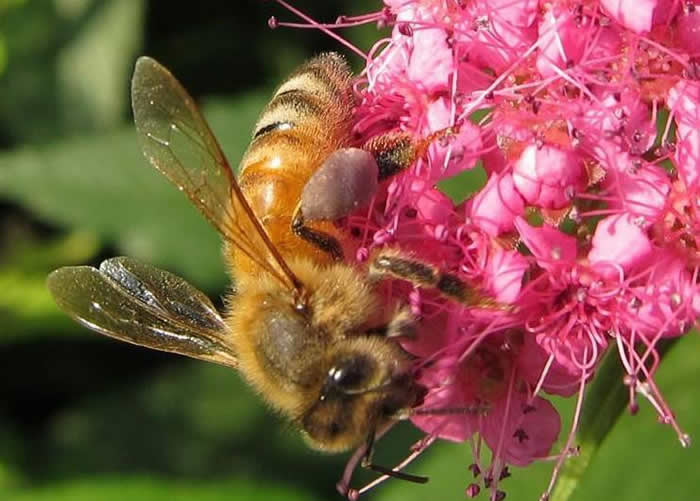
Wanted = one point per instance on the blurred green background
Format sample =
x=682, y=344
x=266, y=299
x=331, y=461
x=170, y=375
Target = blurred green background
x=85, y=418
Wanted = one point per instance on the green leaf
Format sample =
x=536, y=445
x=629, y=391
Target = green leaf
x=641, y=459
x=27, y=307
x=67, y=66
x=467, y=182
x=103, y=184
x=10, y=452
x=135, y=488
x=93, y=69
x=606, y=401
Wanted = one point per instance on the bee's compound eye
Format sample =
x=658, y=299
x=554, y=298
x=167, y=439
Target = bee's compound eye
x=350, y=374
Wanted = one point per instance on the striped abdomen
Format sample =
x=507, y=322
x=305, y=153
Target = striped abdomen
x=308, y=118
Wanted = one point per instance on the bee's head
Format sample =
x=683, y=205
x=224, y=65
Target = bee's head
x=368, y=381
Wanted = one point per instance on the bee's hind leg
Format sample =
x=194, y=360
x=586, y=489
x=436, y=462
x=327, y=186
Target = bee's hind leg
x=323, y=241
x=396, y=151
x=348, y=179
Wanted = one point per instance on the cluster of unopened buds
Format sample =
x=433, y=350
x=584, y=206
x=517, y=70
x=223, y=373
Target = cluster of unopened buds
x=584, y=116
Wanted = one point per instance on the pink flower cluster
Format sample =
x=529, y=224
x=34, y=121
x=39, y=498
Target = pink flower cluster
x=585, y=117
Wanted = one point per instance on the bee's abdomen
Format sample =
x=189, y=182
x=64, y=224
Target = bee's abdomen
x=313, y=108
x=317, y=95
x=307, y=119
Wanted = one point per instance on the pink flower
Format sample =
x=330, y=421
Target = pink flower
x=493, y=34
x=567, y=306
x=667, y=302
x=635, y=186
x=503, y=274
x=521, y=430
x=455, y=153
x=431, y=59
x=549, y=246
x=621, y=119
x=619, y=245
x=517, y=426
x=548, y=177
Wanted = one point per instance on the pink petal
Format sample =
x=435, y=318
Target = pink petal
x=635, y=186
x=503, y=274
x=635, y=15
x=689, y=30
x=619, y=241
x=525, y=430
x=432, y=60
x=495, y=207
x=550, y=246
x=532, y=361
x=463, y=147
x=684, y=101
x=495, y=37
x=668, y=304
x=449, y=388
x=433, y=206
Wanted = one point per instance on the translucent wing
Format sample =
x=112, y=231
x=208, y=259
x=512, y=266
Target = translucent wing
x=178, y=142
x=143, y=305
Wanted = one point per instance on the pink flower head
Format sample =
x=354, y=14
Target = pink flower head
x=586, y=235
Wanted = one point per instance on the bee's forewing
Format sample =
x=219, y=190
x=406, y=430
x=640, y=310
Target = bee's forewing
x=178, y=142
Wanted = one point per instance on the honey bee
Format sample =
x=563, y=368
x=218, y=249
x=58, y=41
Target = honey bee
x=305, y=328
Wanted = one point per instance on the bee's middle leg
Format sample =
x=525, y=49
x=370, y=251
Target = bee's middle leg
x=390, y=263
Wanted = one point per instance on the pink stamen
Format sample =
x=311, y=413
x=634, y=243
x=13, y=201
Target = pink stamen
x=315, y=24
x=569, y=440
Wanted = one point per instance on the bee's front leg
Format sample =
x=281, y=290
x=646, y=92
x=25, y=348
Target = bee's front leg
x=366, y=462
